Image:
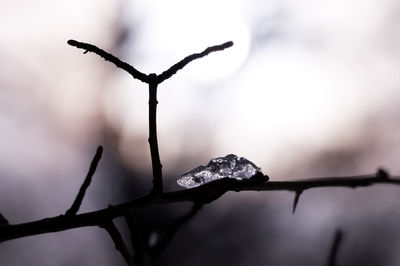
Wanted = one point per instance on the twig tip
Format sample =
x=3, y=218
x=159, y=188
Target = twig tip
x=71, y=42
x=99, y=149
x=382, y=173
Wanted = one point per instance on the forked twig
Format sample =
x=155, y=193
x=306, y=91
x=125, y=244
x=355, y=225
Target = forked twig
x=153, y=80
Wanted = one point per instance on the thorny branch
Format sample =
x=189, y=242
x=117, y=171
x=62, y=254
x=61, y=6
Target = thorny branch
x=202, y=194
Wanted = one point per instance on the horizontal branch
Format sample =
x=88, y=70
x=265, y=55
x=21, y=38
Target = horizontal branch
x=181, y=64
x=109, y=57
x=201, y=195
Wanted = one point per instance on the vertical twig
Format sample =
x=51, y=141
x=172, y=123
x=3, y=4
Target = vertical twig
x=155, y=156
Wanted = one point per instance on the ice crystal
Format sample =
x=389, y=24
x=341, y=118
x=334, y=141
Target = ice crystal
x=229, y=166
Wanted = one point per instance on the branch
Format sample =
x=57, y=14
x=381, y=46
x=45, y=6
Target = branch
x=153, y=142
x=181, y=64
x=140, y=247
x=335, y=248
x=109, y=57
x=119, y=243
x=81, y=194
x=201, y=195
x=173, y=228
x=153, y=80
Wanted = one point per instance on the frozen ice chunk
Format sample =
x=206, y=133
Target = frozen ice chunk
x=229, y=166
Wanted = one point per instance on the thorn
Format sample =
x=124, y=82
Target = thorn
x=3, y=220
x=85, y=52
x=381, y=173
x=296, y=200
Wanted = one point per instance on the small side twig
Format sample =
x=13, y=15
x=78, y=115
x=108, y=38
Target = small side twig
x=119, y=243
x=81, y=194
x=181, y=64
x=335, y=248
x=111, y=58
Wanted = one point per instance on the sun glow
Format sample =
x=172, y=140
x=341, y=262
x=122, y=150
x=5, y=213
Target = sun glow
x=173, y=37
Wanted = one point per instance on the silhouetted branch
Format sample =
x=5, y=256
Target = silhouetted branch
x=335, y=248
x=139, y=245
x=117, y=239
x=202, y=194
x=181, y=64
x=170, y=231
x=139, y=75
x=153, y=142
x=109, y=57
x=81, y=194
x=153, y=80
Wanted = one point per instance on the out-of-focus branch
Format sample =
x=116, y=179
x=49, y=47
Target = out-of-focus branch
x=119, y=243
x=181, y=64
x=86, y=183
x=140, y=246
x=111, y=58
x=335, y=248
x=174, y=226
x=206, y=193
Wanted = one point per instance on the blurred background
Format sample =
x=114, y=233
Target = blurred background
x=309, y=89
